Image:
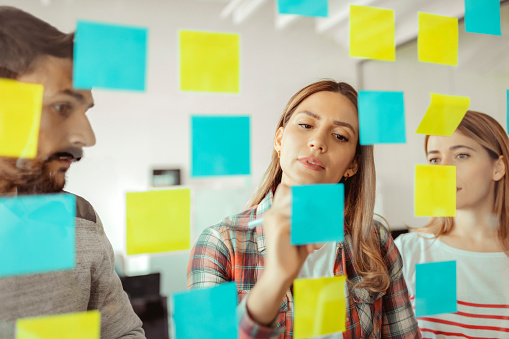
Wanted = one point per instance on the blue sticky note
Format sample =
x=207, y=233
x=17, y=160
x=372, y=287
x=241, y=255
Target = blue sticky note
x=482, y=16
x=216, y=307
x=381, y=117
x=109, y=56
x=220, y=145
x=314, y=8
x=37, y=234
x=435, y=288
x=317, y=213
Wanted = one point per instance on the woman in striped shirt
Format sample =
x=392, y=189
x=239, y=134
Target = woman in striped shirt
x=316, y=141
x=477, y=238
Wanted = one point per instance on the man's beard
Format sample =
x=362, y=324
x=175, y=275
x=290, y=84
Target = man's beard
x=34, y=176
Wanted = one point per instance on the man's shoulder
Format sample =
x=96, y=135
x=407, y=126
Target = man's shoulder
x=84, y=209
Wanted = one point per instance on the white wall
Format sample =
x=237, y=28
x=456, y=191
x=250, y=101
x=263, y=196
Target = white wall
x=138, y=131
x=482, y=74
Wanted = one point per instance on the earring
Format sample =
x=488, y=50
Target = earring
x=279, y=154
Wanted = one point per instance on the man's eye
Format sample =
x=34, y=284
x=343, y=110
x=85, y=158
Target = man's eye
x=64, y=109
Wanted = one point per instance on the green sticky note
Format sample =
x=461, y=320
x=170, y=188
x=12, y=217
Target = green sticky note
x=437, y=40
x=83, y=325
x=372, y=33
x=435, y=191
x=444, y=114
x=320, y=306
x=20, y=118
x=158, y=221
x=209, y=62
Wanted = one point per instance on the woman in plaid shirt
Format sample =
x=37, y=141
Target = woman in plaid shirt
x=316, y=141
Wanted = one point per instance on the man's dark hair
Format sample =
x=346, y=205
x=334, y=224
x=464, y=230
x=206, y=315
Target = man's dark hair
x=24, y=38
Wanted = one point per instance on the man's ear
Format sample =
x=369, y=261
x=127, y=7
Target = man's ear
x=278, y=139
x=499, y=169
x=352, y=169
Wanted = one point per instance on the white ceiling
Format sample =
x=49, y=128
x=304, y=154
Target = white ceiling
x=336, y=25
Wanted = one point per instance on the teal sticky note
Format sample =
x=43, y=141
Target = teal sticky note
x=381, y=117
x=216, y=307
x=37, y=234
x=317, y=213
x=109, y=56
x=482, y=16
x=220, y=145
x=314, y=8
x=435, y=288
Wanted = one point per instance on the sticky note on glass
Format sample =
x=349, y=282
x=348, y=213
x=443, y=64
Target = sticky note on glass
x=444, y=114
x=381, y=117
x=37, y=234
x=110, y=56
x=372, y=33
x=221, y=145
x=20, y=118
x=437, y=41
x=317, y=213
x=320, y=306
x=209, y=62
x=435, y=191
x=158, y=221
x=482, y=16
x=217, y=309
x=82, y=325
x=313, y=8
x=435, y=288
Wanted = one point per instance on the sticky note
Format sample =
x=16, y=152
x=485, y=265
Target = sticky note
x=372, y=33
x=435, y=288
x=158, y=221
x=444, y=114
x=110, y=56
x=320, y=306
x=313, y=8
x=482, y=16
x=381, y=117
x=437, y=40
x=221, y=145
x=209, y=62
x=82, y=325
x=20, y=118
x=216, y=307
x=435, y=191
x=37, y=234
x=317, y=213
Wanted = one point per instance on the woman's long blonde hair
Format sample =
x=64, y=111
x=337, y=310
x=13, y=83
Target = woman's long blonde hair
x=359, y=193
x=487, y=132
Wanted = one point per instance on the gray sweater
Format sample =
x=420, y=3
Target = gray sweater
x=92, y=285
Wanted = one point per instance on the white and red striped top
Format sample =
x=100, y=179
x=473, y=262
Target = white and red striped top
x=482, y=289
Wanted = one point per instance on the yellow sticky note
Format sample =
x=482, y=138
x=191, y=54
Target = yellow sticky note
x=20, y=118
x=437, y=40
x=83, y=325
x=435, y=191
x=320, y=306
x=158, y=221
x=444, y=114
x=372, y=33
x=209, y=62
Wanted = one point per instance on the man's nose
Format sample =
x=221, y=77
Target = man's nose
x=81, y=132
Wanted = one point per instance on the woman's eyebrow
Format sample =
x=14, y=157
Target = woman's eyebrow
x=452, y=148
x=335, y=122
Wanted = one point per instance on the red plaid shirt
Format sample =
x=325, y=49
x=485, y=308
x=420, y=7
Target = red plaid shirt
x=230, y=251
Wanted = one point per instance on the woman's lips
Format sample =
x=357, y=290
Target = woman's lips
x=312, y=163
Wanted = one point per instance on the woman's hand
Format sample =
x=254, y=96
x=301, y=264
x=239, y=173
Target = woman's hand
x=282, y=261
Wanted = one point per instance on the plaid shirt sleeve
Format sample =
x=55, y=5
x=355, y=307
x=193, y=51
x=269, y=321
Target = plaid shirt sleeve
x=398, y=320
x=210, y=264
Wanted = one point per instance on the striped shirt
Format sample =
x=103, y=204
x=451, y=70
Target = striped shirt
x=230, y=251
x=482, y=289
